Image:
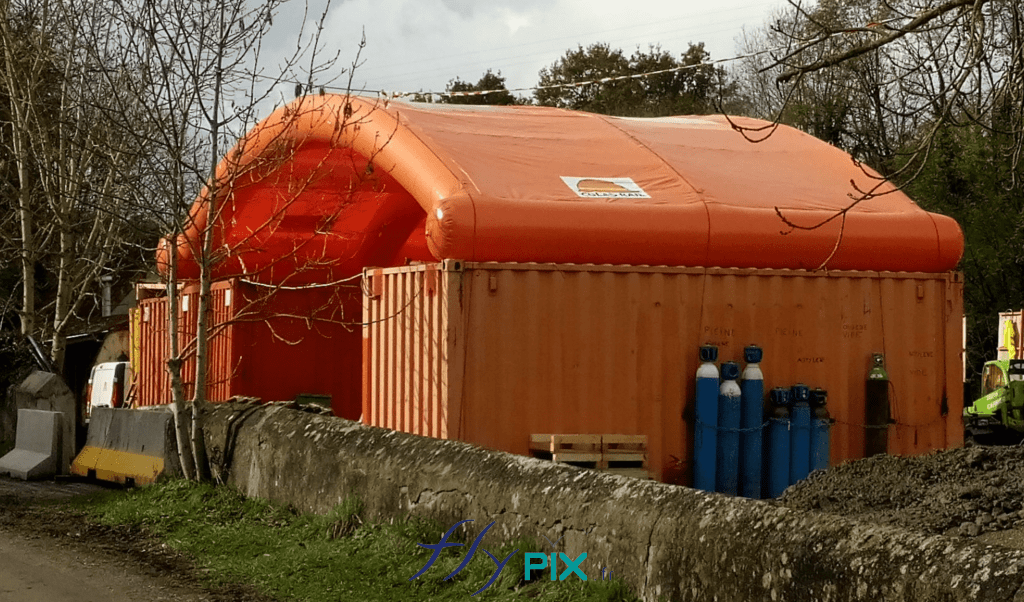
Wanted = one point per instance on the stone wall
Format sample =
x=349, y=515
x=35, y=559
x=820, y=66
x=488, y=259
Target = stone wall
x=668, y=542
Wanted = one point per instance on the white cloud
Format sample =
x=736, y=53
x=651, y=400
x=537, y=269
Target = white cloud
x=422, y=44
x=515, y=21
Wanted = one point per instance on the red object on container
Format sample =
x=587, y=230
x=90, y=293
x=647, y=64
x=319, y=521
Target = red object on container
x=330, y=184
x=266, y=342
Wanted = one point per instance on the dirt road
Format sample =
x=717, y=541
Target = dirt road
x=43, y=569
x=49, y=554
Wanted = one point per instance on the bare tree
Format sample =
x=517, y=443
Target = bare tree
x=931, y=95
x=24, y=72
x=70, y=172
x=909, y=66
x=201, y=87
x=121, y=109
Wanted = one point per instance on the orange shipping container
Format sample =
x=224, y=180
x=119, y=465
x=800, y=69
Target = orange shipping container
x=274, y=343
x=490, y=353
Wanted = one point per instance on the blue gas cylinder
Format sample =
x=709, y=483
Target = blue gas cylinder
x=727, y=468
x=800, y=433
x=821, y=423
x=705, y=430
x=777, y=452
x=752, y=417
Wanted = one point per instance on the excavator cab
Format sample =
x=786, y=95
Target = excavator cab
x=982, y=418
x=1000, y=409
x=993, y=377
x=1013, y=413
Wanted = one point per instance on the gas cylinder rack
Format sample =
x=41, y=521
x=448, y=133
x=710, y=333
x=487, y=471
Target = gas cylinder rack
x=743, y=448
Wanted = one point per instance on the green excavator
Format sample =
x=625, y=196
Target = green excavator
x=999, y=411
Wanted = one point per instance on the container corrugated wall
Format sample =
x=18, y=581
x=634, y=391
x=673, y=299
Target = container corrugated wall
x=222, y=304
x=152, y=383
x=491, y=353
x=275, y=343
x=410, y=310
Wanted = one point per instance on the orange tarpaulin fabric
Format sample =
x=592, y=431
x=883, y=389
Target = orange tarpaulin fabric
x=331, y=184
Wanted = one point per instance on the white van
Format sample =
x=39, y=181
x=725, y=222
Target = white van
x=108, y=385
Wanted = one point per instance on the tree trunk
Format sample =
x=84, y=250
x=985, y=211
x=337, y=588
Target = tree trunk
x=19, y=96
x=203, y=343
x=198, y=442
x=202, y=348
x=206, y=264
x=28, y=251
x=63, y=302
x=181, y=422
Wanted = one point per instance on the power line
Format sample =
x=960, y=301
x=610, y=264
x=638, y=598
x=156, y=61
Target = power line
x=545, y=43
x=384, y=94
x=603, y=80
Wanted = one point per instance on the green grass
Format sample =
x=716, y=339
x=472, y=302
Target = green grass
x=337, y=557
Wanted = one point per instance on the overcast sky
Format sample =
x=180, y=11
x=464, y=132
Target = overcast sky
x=414, y=45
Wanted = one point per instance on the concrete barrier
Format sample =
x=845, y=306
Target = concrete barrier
x=668, y=542
x=42, y=391
x=128, y=446
x=37, y=451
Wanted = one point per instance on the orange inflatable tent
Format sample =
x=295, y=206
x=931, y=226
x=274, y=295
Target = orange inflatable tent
x=330, y=184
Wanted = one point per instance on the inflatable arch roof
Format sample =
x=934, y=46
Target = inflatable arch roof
x=330, y=184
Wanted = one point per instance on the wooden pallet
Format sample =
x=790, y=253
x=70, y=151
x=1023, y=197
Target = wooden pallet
x=616, y=454
x=567, y=448
x=625, y=448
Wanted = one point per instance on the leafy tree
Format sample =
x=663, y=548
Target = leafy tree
x=489, y=81
x=695, y=88
x=686, y=85
x=592, y=63
x=968, y=177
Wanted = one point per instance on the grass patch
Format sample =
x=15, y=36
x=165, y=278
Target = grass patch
x=337, y=557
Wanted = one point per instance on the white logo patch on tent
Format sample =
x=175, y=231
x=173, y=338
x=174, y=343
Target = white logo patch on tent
x=607, y=188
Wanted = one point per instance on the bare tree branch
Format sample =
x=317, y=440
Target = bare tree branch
x=893, y=34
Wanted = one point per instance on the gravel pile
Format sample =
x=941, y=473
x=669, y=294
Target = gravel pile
x=963, y=492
